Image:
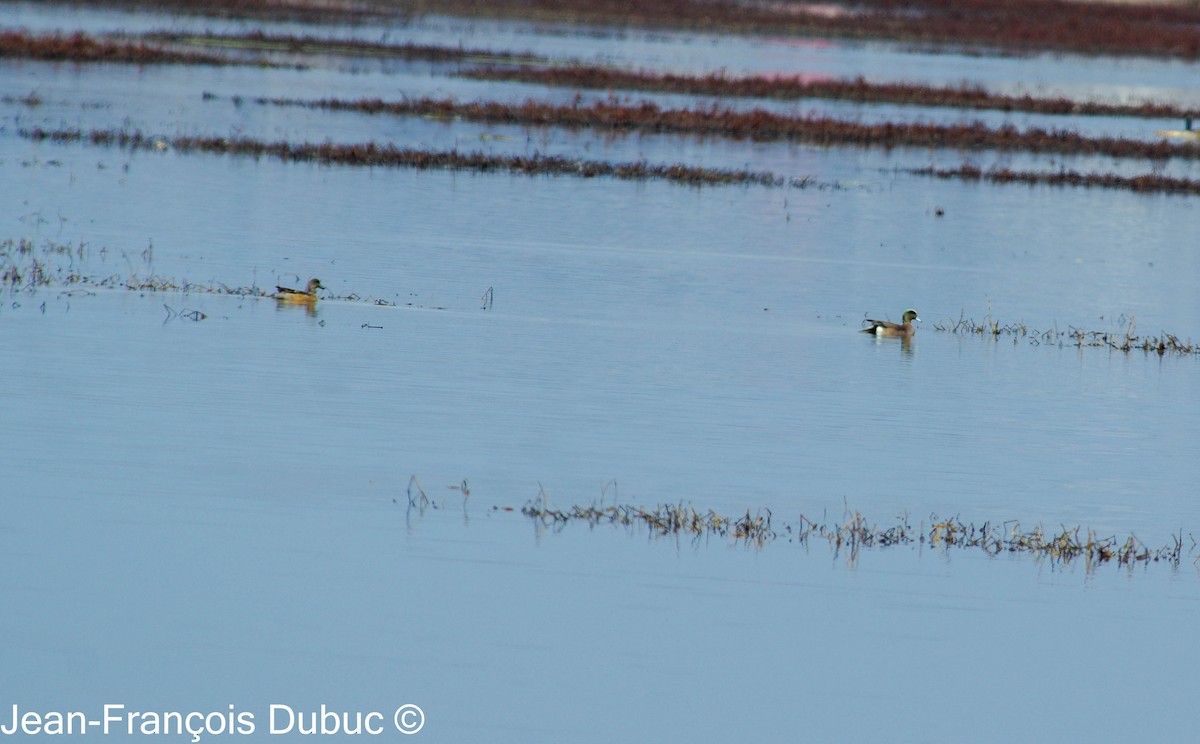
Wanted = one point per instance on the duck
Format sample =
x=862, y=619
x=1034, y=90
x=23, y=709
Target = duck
x=886, y=328
x=287, y=294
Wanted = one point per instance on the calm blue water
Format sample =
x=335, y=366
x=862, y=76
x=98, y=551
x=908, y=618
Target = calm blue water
x=205, y=514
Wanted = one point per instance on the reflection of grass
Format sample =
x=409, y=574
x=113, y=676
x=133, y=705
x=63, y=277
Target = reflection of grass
x=855, y=533
x=1126, y=340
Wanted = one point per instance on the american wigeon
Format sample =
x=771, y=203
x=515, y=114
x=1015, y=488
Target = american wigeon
x=287, y=294
x=884, y=328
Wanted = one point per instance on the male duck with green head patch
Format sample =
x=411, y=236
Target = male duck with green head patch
x=886, y=328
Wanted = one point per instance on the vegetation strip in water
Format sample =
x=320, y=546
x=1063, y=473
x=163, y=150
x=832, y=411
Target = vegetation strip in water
x=757, y=124
x=149, y=49
x=1125, y=341
x=1145, y=183
x=858, y=90
x=371, y=154
x=1023, y=25
x=80, y=47
x=308, y=44
x=856, y=532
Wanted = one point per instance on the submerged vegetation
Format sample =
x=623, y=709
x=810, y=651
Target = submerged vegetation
x=855, y=532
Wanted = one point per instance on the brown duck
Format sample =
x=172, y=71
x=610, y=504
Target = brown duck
x=886, y=328
x=287, y=294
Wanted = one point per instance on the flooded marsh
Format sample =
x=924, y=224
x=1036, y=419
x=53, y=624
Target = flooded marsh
x=576, y=432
